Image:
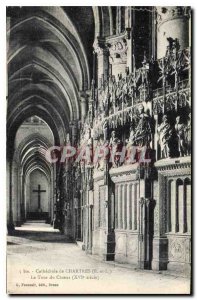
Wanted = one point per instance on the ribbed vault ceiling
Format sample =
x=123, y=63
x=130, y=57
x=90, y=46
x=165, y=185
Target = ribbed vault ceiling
x=48, y=66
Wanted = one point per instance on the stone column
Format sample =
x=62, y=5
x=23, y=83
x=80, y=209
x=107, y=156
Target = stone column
x=128, y=206
x=128, y=26
x=188, y=198
x=102, y=60
x=53, y=181
x=16, y=202
x=172, y=21
x=83, y=108
x=120, y=207
x=89, y=222
x=117, y=205
x=141, y=248
x=155, y=139
x=181, y=207
x=85, y=221
x=10, y=224
x=146, y=208
x=133, y=201
x=112, y=211
x=123, y=207
x=74, y=131
x=118, y=20
x=22, y=198
x=137, y=199
x=109, y=244
x=173, y=205
x=160, y=242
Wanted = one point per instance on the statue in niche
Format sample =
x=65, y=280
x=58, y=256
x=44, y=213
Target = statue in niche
x=143, y=129
x=119, y=96
x=105, y=130
x=164, y=131
x=130, y=142
x=144, y=72
x=132, y=136
x=173, y=46
x=89, y=136
x=102, y=146
x=106, y=100
x=130, y=92
x=132, y=82
x=95, y=133
x=112, y=96
x=181, y=136
x=68, y=139
x=171, y=55
x=83, y=132
x=115, y=145
x=113, y=138
x=188, y=135
x=125, y=92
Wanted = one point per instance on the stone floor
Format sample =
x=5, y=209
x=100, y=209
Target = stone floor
x=39, y=261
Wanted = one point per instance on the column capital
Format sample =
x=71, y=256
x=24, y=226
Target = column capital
x=100, y=47
x=84, y=94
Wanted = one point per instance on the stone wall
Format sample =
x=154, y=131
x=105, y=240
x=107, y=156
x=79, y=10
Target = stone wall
x=37, y=177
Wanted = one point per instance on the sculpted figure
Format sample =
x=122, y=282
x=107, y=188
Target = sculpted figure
x=67, y=139
x=113, y=139
x=88, y=135
x=180, y=132
x=100, y=162
x=115, y=146
x=105, y=130
x=164, y=131
x=130, y=142
x=143, y=129
x=119, y=97
x=188, y=135
x=106, y=100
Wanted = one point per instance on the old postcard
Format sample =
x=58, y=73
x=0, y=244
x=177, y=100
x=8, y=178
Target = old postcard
x=99, y=150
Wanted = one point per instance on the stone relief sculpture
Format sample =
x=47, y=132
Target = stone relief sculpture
x=106, y=100
x=115, y=145
x=188, y=135
x=103, y=147
x=181, y=136
x=130, y=142
x=105, y=130
x=143, y=129
x=68, y=139
x=164, y=131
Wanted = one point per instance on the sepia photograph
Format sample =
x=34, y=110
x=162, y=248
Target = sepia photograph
x=98, y=150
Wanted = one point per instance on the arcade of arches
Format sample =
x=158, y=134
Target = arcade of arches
x=108, y=76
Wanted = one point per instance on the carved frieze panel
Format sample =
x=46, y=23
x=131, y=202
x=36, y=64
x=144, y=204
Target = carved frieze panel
x=179, y=249
x=121, y=243
x=174, y=167
x=124, y=173
x=132, y=245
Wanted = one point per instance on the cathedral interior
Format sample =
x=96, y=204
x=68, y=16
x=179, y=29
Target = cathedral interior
x=111, y=78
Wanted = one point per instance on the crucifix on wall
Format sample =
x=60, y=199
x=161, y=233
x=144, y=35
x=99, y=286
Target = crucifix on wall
x=39, y=191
